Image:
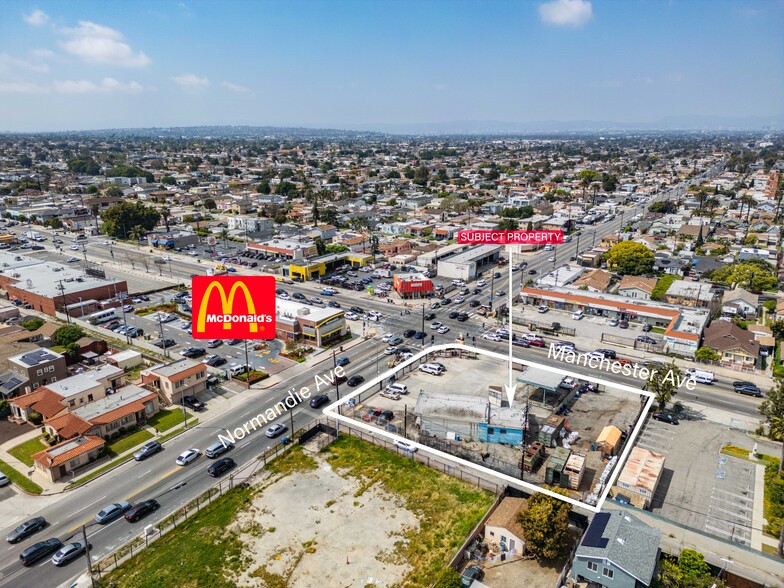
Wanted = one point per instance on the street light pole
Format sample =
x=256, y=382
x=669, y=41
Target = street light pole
x=87, y=555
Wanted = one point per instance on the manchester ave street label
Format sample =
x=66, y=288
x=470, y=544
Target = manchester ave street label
x=234, y=307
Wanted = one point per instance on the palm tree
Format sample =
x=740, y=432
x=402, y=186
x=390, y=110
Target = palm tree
x=137, y=233
x=224, y=234
x=748, y=200
x=166, y=215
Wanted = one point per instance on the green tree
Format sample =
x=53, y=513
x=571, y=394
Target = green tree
x=67, y=334
x=32, y=324
x=120, y=218
x=321, y=247
x=707, y=354
x=168, y=180
x=749, y=274
x=25, y=161
x=54, y=223
x=264, y=187
x=113, y=190
x=83, y=166
x=630, y=258
x=545, y=525
x=586, y=177
x=210, y=204
x=778, y=328
x=688, y=571
x=165, y=215
x=92, y=189
x=772, y=409
x=72, y=350
x=507, y=224
x=663, y=384
x=336, y=248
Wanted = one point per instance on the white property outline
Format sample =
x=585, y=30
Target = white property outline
x=330, y=412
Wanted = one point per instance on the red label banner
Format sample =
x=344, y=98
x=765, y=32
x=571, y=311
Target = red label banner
x=510, y=237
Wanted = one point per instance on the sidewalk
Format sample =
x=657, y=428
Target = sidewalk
x=48, y=486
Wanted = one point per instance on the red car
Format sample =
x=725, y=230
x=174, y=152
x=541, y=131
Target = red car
x=372, y=414
x=537, y=343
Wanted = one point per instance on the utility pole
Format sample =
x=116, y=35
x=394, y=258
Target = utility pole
x=423, y=325
x=65, y=305
x=87, y=555
x=247, y=367
x=184, y=413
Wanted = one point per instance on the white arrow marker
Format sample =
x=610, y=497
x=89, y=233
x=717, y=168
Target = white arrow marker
x=511, y=388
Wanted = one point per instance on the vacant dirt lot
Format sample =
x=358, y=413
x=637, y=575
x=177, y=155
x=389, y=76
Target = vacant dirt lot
x=319, y=529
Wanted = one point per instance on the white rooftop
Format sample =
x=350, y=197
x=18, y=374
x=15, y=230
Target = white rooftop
x=290, y=310
x=81, y=382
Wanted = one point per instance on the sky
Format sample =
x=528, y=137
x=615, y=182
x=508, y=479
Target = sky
x=354, y=64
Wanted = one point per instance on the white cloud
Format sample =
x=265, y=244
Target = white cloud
x=236, y=88
x=9, y=62
x=21, y=88
x=87, y=87
x=42, y=53
x=37, y=18
x=191, y=81
x=566, y=13
x=96, y=43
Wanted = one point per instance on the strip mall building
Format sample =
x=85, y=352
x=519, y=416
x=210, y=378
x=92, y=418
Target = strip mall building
x=682, y=327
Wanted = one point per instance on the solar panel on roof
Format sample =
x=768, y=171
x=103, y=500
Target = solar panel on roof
x=36, y=357
x=593, y=536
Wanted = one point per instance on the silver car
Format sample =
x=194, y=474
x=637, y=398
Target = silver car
x=68, y=552
x=112, y=511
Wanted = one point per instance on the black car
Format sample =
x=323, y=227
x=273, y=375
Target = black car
x=193, y=352
x=474, y=303
x=26, y=529
x=141, y=510
x=430, y=316
x=148, y=449
x=165, y=343
x=556, y=326
x=472, y=572
x=520, y=342
x=748, y=390
x=462, y=317
x=233, y=341
x=623, y=324
x=220, y=467
x=497, y=275
x=408, y=333
x=193, y=402
x=38, y=551
x=446, y=301
x=454, y=314
x=648, y=340
x=476, y=291
x=357, y=310
x=665, y=417
x=333, y=304
x=531, y=272
x=355, y=381
x=319, y=401
x=608, y=353
x=216, y=361
x=646, y=328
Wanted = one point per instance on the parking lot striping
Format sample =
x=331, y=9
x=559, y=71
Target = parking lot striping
x=732, y=513
x=735, y=502
x=732, y=534
x=739, y=496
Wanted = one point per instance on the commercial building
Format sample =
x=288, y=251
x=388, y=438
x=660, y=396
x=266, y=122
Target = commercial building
x=413, y=285
x=317, y=267
x=309, y=324
x=467, y=265
x=172, y=240
x=49, y=287
x=682, y=327
x=288, y=249
x=639, y=478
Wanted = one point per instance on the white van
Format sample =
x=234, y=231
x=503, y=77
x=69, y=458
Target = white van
x=238, y=370
x=577, y=315
x=399, y=388
x=701, y=376
x=429, y=368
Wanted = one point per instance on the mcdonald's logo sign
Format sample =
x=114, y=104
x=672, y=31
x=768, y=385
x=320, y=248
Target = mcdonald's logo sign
x=229, y=307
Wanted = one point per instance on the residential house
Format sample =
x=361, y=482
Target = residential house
x=39, y=367
x=42, y=401
x=637, y=287
x=89, y=386
x=764, y=336
x=175, y=380
x=690, y=293
x=129, y=406
x=58, y=461
x=736, y=346
x=780, y=309
x=596, y=280
x=617, y=551
x=740, y=302
x=503, y=533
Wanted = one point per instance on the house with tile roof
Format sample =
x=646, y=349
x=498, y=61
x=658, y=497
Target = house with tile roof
x=637, y=287
x=42, y=401
x=596, y=280
x=58, y=461
x=617, y=550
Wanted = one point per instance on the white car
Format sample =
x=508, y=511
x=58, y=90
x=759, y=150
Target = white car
x=436, y=325
x=193, y=253
x=72, y=259
x=542, y=309
x=491, y=337
x=390, y=394
x=187, y=456
x=443, y=329
x=390, y=350
x=166, y=258
x=481, y=283
x=458, y=300
x=551, y=258
x=4, y=481
x=387, y=337
x=405, y=446
x=373, y=316
x=73, y=247
x=106, y=242
x=352, y=316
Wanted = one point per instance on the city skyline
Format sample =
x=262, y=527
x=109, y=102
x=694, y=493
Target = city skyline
x=395, y=67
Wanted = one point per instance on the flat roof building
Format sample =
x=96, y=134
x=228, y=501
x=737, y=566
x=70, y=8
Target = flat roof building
x=467, y=265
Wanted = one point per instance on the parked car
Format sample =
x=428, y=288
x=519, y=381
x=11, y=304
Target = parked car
x=648, y=340
x=187, y=456
x=665, y=417
x=108, y=513
x=215, y=361
x=542, y=309
x=165, y=343
x=623, y=324
x=471, y=573
x=213, y=343
x=613, y=322
x=142, y=509
x=4, y=480
x=148, y=449
x=748, y=389
x=193, y=402
x=26, y=529
x=646, y=328
x=38, y=551
x=221, y=466
x=405, y=446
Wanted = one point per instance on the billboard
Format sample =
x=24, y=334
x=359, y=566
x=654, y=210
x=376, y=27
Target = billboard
x=233, y=307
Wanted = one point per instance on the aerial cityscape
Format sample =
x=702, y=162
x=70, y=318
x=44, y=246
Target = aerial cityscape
x=392, y=294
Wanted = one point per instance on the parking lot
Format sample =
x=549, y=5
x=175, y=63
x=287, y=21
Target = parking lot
x=700, y=487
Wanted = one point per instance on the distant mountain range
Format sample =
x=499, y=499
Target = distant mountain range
x=452, y=128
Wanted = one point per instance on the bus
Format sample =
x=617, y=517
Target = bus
x=102, y=316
